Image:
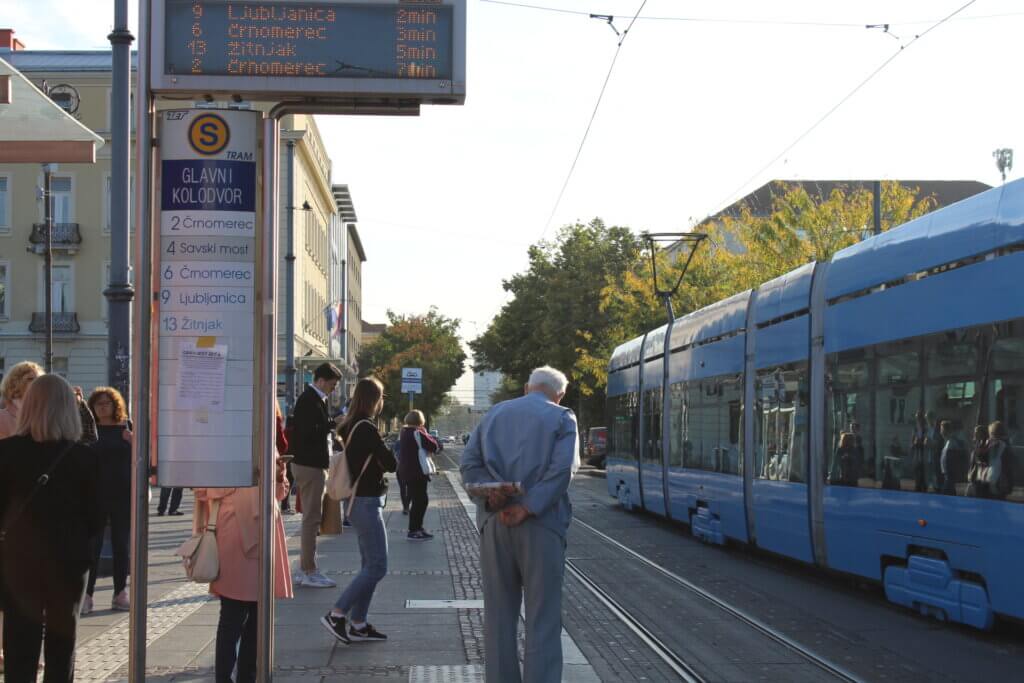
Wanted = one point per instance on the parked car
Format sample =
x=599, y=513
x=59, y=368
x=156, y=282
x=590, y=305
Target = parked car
x=596, y=449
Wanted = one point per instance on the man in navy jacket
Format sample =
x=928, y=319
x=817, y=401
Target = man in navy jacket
x=312, y=432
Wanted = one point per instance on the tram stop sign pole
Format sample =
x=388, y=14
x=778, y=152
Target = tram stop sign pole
x=207, y=210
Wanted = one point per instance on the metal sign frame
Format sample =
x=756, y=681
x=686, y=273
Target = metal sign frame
x=270, y=88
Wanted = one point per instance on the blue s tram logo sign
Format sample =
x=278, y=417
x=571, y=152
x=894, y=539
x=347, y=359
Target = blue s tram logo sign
x=209, y=134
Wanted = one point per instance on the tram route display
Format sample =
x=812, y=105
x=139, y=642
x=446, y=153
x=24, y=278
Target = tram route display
x=309, y=39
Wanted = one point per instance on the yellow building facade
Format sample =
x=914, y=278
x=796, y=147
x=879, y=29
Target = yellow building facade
x=81, y=209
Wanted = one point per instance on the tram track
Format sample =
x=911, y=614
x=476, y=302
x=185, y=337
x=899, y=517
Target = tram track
x=821, y=663
x=665, y=653
x=674, y=660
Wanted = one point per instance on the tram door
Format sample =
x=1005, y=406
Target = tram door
x=651, y=469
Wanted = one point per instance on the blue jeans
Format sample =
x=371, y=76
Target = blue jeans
x=368, y=522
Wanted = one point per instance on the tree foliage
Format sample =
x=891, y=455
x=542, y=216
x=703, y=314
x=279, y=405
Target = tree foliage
x=592, y=287
x=429, y=342
x=554, y=316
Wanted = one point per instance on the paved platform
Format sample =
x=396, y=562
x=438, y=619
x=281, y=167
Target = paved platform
x=428, y=641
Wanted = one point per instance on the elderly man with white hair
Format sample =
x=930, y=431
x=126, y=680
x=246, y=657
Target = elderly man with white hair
x=533, y=442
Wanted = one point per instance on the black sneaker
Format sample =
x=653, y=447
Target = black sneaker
x=336, y=627
x=417, y=536
x=367, y=632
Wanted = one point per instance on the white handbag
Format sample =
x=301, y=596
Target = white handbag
x=427, y=465
x=199, y=554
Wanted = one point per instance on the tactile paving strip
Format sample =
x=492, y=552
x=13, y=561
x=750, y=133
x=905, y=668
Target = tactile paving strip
x=101, y=657
x=469, y=673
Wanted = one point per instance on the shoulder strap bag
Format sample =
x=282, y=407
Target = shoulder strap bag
x=427, y=465
x=199, y=554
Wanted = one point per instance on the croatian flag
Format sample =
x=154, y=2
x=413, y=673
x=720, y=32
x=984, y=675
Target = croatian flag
x=339, y=322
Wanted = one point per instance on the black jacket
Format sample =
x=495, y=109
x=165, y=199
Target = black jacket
x=114, y=464
x=50, y=540
x=367, y=443
x=409, y=456
x=311, y=425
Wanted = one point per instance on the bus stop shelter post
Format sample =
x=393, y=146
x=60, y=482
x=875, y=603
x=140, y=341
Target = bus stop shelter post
x=142, y=347
x=266, y=433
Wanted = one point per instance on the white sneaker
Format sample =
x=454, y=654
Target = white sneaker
x=86, y=605
x=298, y=578
x=318, y=580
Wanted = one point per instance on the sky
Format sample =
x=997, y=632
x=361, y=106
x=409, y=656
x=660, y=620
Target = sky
x=703, y=105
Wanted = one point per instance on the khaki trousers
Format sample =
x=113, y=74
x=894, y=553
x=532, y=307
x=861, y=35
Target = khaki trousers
x=311, y=481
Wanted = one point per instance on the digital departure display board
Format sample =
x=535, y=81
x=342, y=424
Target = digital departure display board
x=373, y=48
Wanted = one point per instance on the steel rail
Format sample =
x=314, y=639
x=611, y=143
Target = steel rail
x=752, y=621
x=665, y=653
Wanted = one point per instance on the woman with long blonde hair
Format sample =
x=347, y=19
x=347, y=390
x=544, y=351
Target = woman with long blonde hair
x=50, y=510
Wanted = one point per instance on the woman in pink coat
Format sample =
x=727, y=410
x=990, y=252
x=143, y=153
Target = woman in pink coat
x=238, y=584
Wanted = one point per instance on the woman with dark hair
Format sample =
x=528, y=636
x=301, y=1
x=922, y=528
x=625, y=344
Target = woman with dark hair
x=114, y=453
x=50, y=512
x=368, y=459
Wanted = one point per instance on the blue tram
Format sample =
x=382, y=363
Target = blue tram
x=803, y=417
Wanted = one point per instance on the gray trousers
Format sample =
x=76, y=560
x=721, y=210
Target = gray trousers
x=525, y=561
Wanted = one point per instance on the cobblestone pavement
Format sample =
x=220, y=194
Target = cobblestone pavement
x=463, y=550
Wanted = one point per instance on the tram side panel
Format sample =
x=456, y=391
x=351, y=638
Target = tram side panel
x=622, y=466
x=704, y=446
x=781, y=435
x=896, y=369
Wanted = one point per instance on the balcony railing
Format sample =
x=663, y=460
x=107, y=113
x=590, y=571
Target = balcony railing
x=66, y=237
x=63, y=323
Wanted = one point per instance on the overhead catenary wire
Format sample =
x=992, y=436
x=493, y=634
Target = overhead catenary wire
x=742, y=21
x=843, y=100
x=593, y=115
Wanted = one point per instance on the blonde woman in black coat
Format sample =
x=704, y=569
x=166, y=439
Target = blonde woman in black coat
x=49, y=509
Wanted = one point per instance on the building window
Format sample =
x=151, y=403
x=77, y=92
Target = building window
x=62, y=295
x=62, y=200
x=5, y=285
x=5, y=204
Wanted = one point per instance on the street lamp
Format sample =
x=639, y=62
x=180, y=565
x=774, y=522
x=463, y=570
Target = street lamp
x=1004, y=160
x=46, y=195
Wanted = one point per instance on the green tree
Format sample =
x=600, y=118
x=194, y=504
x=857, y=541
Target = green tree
x=592, y=287
x=430, y=342
x=803, y=228
x=554, y=316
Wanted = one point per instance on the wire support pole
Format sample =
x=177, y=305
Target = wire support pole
x=266, y=427
x=48, y=265
x=119, y=292
x=143, y=369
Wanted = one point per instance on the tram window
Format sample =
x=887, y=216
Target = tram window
x=1005, y=401
x=652, y=437
x=677, y=398
x=694, y=437
x=782, y=429
x=849, y=412
x=623, y=426
x=729, y=421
